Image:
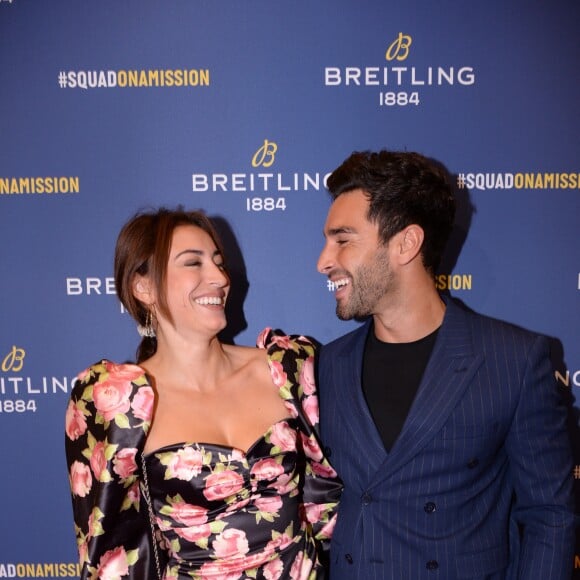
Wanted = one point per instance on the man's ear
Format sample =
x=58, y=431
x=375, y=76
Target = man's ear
x=410, y=243
x=143, y=289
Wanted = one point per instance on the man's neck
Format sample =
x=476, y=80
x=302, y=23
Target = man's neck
x=410, y=320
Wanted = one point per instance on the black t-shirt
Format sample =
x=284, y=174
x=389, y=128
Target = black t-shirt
x=391, y=374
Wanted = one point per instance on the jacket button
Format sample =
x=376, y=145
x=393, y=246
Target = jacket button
x=473, y=463
x=327, y=451
x=348, y=558
x=367, y=498
x=429, y=507
x=432, y=565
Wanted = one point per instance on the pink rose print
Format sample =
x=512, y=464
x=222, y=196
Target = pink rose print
x=271, y=505
x=188, y=514
x=134, y=494
x=241, y=487
x=291, y=409
x=124, y=463
x=113, y=564
x=314, y=512
x=254, y=560
x=142, y=403
x=231, y=543
x=185, y=464
x=278, y=543
x=235, y=455
x=194, y=533
x=285, y=483
x=283, y=436
x=282, y=342
x=234, y=507
x=75, y=422
x=98, y=460
x=261, y=340
x=95, y=526
x=122, y=373
x=279, y=377
x=266, y=469
x=310, y=406
x=222, y=485
x=323, y=470
x=218, y=571
x=112, y=399
x=301, y=567
x=311, y=447
x=273, y=570
x=81, y=480
x=307, y=376
x=83, y=552
x=328, y=529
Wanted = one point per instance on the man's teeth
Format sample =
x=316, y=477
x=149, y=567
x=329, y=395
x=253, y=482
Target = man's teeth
x=340, y=283
x=209, y=300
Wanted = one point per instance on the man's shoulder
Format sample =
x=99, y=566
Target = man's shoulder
x=346, y=341
x=485, y=325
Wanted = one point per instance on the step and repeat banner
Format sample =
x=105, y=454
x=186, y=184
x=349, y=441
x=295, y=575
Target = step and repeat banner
x=243, y=109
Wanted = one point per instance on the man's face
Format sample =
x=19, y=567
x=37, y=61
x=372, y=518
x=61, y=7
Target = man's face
x=354, y=258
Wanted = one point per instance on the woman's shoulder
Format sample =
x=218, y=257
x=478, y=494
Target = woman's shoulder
x=106, y=369
x=114, y=389
x=291, y=360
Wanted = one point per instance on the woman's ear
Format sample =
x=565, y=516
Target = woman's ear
x=143, y=289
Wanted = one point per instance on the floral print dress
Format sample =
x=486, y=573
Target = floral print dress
x=218, y=512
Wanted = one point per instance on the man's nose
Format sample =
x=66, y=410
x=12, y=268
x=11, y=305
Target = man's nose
x=324, y=263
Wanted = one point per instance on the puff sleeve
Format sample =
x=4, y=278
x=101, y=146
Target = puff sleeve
x=107, y=419
x=293, y=356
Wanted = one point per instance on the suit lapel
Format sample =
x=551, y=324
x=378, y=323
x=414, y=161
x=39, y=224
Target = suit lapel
x=448, y=373
x=357, y=418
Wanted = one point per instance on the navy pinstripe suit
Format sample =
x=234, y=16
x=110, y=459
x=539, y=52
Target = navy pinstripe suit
x=486, y=426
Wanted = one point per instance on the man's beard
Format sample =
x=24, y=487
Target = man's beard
x=369, y=284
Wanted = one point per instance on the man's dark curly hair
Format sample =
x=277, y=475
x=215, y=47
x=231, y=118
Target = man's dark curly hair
x=403, y=188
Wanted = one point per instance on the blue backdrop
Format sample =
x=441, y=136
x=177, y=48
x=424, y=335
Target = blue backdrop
x=243, y=108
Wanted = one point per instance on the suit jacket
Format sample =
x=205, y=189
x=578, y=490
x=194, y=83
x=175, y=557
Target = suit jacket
x=479, y=482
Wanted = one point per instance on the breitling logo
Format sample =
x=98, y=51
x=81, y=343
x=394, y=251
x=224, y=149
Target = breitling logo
x=265, y=155
x=399, y=48
x=14, y=360
x=397, y=75
x=260, y=181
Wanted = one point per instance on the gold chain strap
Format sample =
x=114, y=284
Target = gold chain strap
x=145, y=492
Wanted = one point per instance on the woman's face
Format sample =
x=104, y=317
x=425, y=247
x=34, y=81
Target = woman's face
x=196, y=285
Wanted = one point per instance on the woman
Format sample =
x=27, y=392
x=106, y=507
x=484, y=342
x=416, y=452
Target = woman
x=209, y=448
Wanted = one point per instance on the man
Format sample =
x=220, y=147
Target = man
x=446, y=426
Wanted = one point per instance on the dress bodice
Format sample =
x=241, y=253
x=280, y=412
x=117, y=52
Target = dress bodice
x=220, y=508
x=222, y=512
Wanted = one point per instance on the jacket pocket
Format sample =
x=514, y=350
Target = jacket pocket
x=482, y=563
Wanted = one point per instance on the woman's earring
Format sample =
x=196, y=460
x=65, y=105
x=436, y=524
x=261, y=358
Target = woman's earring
x=147, y=331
